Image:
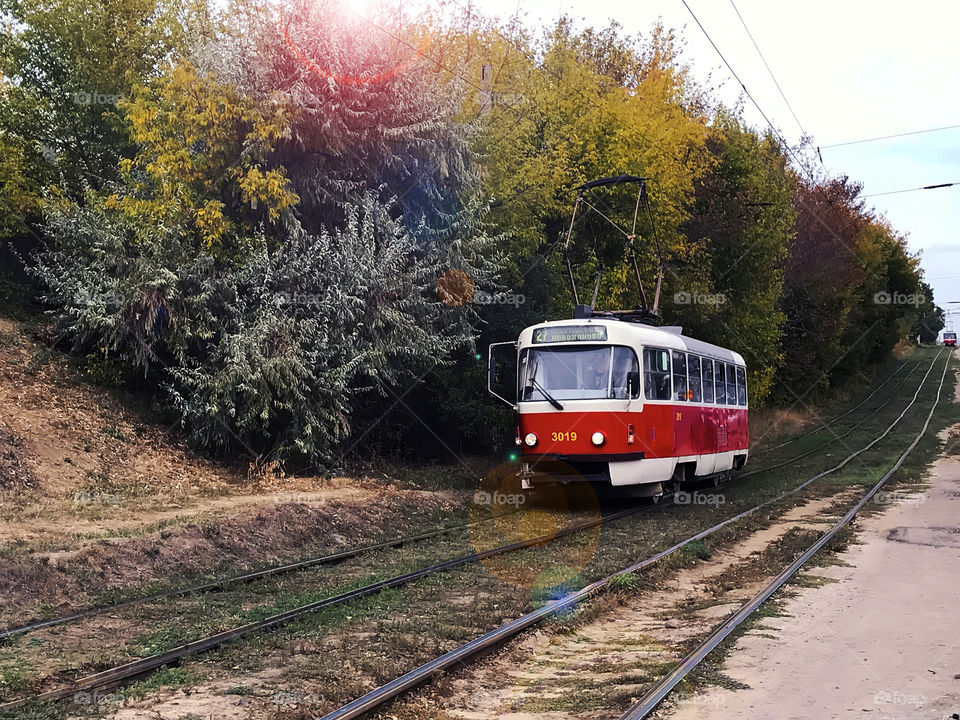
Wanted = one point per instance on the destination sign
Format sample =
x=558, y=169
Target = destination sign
x=570, y=333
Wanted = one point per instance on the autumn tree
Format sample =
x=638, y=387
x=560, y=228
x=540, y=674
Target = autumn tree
x=66, y=66
x=727, y=284
x=261, y=304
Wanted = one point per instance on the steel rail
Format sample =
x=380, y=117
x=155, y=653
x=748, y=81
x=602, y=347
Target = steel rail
x=643, y=707
x=236, y=579
x=835, y=438
x=836, y=419
x=384, y=693
x=331, y=558
x=120, y=673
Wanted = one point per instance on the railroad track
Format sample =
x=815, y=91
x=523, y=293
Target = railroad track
x=331, y=558
x=222, y=583
x=137, y=668
x=648, y=703
x=824, y=426
x=836, y=438
x=128, y=671
x=484, y=643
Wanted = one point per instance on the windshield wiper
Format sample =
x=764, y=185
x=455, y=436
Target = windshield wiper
x=550, y=398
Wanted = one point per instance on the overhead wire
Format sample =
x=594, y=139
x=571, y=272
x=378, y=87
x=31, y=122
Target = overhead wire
x=938, y=186
x=800, y=165
x=890, y=137
x=769, y=71
x=787, y=147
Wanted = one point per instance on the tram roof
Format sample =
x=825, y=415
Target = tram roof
x=619, y=332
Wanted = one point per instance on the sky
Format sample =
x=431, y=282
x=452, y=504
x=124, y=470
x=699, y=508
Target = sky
x=850, y=69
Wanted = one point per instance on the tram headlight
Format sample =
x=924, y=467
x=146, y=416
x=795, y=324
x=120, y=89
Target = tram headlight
x=530, y=439
x=598, y=438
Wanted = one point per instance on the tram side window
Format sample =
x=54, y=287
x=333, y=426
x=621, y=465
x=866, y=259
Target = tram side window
x=679, y=376
x=656, y=374
x=707, y=380
x=624, y=363
x=731, y=385
x=721, y=382
x=693, y=377
x=741, y=386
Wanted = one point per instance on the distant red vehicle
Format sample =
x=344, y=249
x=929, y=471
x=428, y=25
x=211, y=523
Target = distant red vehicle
x=950, y=339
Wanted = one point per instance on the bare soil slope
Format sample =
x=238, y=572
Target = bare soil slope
x=95, y=495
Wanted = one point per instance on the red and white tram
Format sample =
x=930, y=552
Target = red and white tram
x=606, y=400
x=610, y=398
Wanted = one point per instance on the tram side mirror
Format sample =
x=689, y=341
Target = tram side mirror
x=502, y=385
x=633, y=384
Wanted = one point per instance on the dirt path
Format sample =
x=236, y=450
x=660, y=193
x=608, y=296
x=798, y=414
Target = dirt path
x=882, y=642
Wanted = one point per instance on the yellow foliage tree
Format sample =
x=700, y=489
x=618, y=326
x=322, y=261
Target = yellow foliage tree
x=204, y=161
x=590, y=105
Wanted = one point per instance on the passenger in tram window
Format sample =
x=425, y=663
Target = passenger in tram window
x=679, y=376
x=693, y=378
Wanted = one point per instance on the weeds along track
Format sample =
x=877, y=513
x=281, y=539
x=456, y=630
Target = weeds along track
x=837, y=419
x=222, y=583
x=124, y=672
x=838, y=438
x=117, y=675
x=648, y=703
x=486, y=642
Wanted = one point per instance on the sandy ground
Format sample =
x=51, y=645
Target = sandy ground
x=883, y=642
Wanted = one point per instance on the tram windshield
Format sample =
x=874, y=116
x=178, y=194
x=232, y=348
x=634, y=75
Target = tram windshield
x=949, y=336
x=578, y=372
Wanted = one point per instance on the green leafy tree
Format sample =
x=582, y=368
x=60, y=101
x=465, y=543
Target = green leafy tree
x=596, y=105
x=264, y=322
x=849, y=281
x=726, y=285
x=66, y=66
x=931, y=318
